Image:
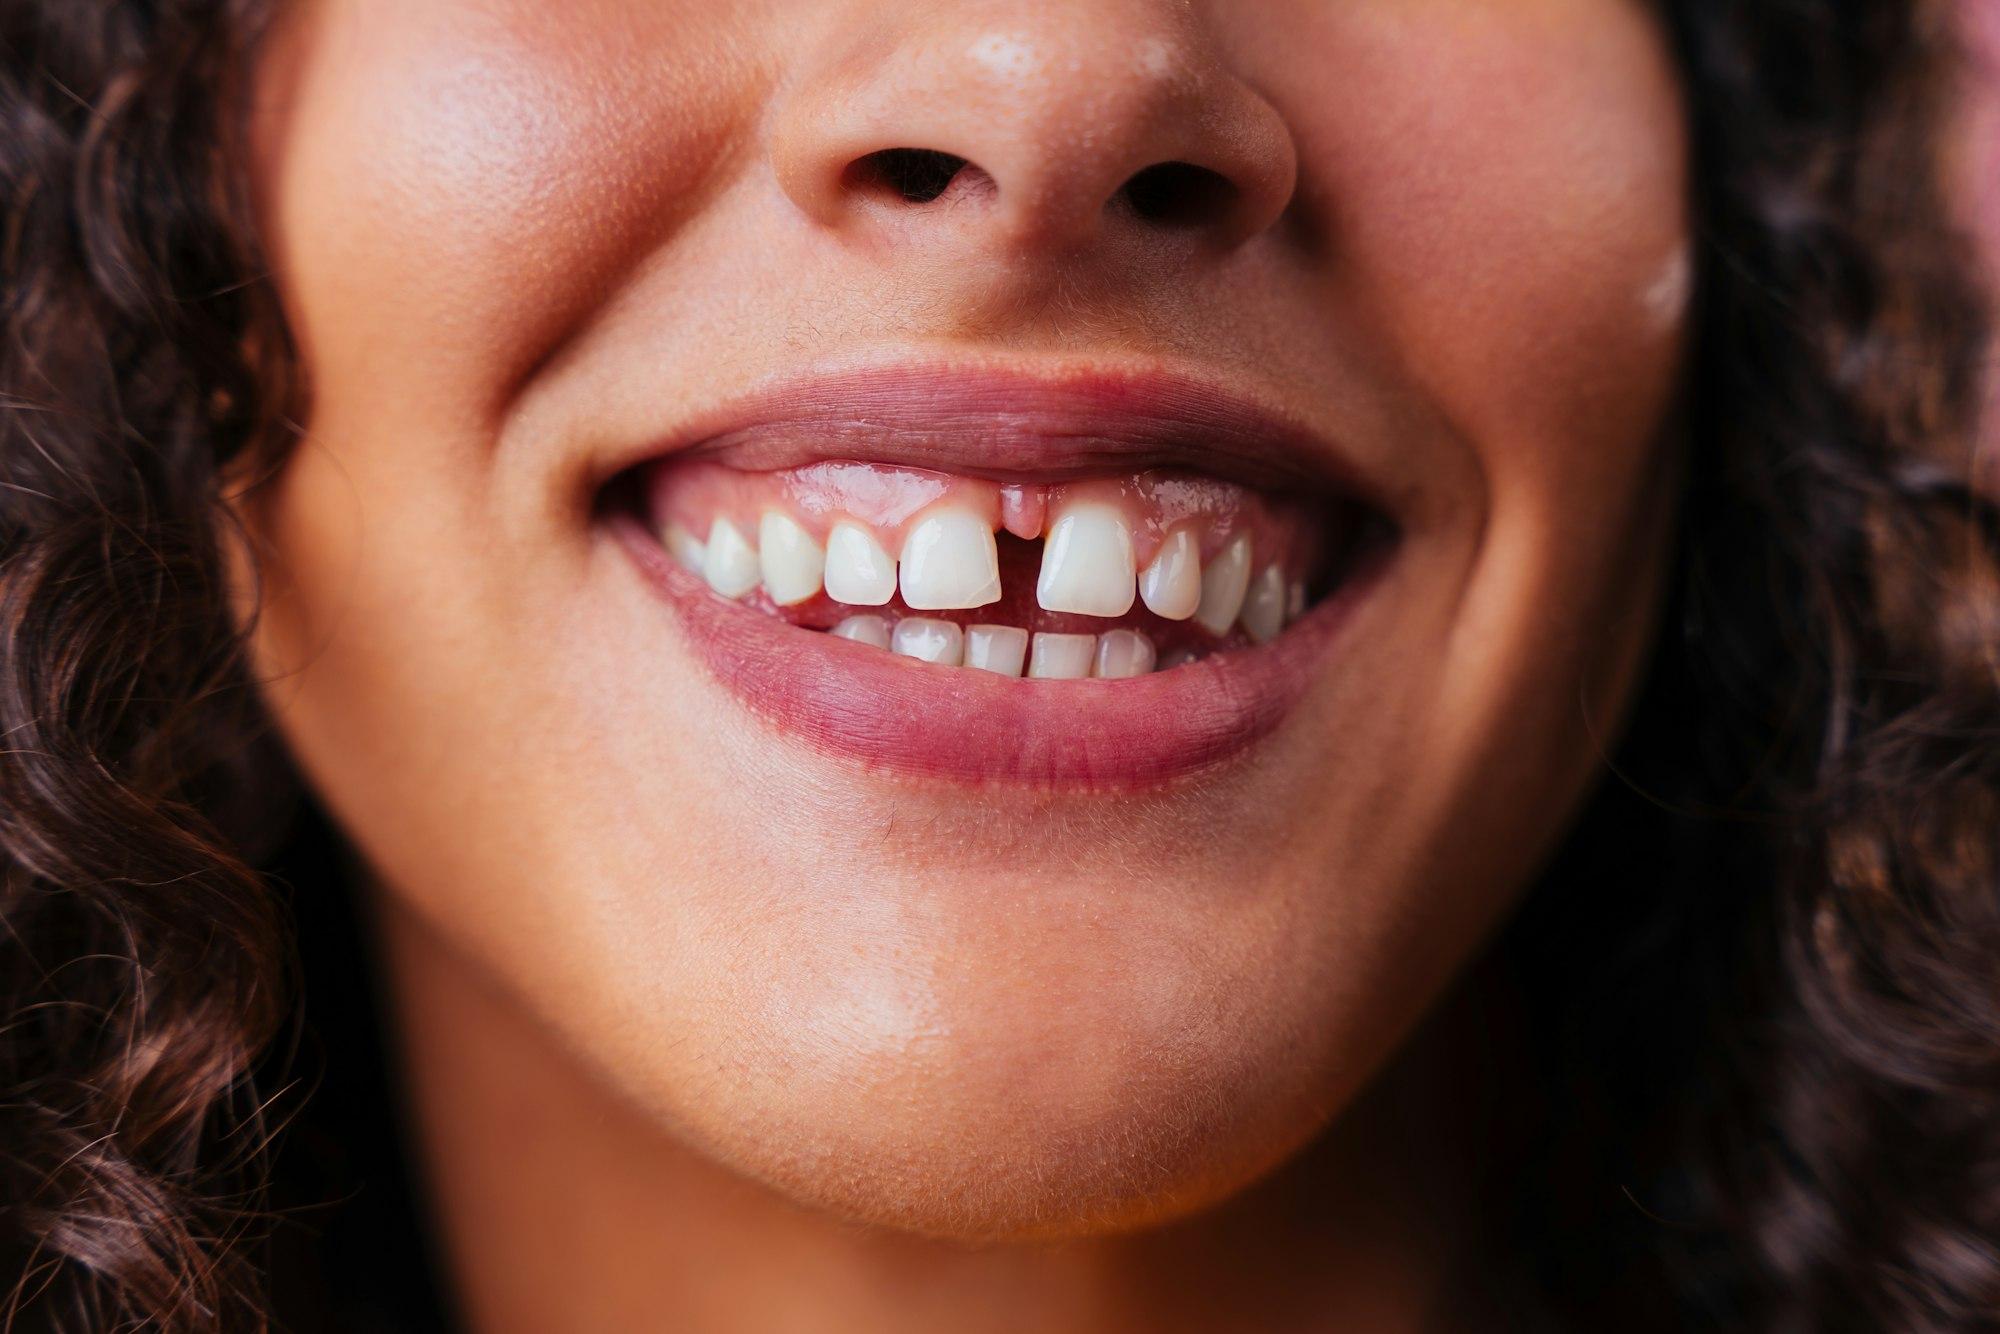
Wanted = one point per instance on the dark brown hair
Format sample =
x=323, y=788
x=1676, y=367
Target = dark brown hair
x=1765, y=973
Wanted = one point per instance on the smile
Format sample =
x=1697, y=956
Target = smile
x=1096, y=583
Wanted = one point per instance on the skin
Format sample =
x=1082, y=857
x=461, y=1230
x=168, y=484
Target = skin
x=687, y=1007
x=1975, y=148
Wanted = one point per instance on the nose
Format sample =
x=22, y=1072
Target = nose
x=1026, y=126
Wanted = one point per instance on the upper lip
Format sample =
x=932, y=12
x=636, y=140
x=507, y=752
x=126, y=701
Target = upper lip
x=1013, y=425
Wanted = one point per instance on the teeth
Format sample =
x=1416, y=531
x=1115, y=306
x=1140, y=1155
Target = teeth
x=684, y=547
x=950, y=561
x=1264, y=608
x=1087, y=563
x=732, y=562
x=996, y=648
x=1171, y=585
x=1223, y=584
x=858, y=571
x=864, y=630
x=1123, y=653
x=792, y=561
x=929, y=640
x=1062, y=657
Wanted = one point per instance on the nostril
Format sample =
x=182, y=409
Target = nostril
x=1179, y=194
x=914, y=175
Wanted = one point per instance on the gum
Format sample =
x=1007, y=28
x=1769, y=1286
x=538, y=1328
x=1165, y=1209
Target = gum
x=891, y=499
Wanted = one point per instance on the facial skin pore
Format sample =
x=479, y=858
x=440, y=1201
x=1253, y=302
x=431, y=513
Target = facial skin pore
x=683, y=996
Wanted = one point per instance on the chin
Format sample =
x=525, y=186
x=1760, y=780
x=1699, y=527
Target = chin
x=1007, y=1115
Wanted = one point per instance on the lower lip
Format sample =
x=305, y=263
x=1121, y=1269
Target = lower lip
x=901, y=716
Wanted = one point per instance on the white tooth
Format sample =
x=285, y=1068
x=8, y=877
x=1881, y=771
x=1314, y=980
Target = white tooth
x=1062, y=657
x=684, y=547
x=1123, y=653
x=1295, y=600
x=858, y=571
x=732, y=562
x=996, y=648
x=1223, y=584
x=864, y=630
x=792, y=561
x=1171, y=585
x=950, y=561
x=1264, y=607
x=1087, y=563
x=932, y=641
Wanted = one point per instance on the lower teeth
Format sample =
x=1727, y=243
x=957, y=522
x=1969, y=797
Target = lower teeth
x=1008, y=650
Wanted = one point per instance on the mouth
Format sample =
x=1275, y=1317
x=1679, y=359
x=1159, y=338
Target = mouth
x=1100, y=582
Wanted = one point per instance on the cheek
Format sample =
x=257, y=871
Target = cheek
x=453, y=186
x=1502, y=191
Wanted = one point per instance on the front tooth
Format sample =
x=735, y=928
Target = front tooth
x=1223, y=584
x=950, y=561
x=1171, y=585
x=685, y=547
x=792, y=561
x=929, y=640
x=996, y=648
x=858, y=571
x=1295, y=600
x=732, y=562
x=1087, y=563
x=865, y=630
x=1264, y=607
x=1061, y=657
x=1123, y=653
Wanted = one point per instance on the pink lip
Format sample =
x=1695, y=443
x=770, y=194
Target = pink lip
x=1008, y=424
x=956, y=724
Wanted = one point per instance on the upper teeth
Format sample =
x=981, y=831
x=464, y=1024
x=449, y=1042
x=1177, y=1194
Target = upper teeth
x=1223, y=584
x=858, y=571
x=793, y=563
x=950, y=561
x=1264, y=605
x=732, y=566
x=1171, y=584
x=1087, y=563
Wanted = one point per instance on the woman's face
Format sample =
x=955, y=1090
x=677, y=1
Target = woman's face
x=1359, y=410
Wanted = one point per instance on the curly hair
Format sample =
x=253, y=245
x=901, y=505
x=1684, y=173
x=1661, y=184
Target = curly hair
x=142, y=959
x=1764, y=975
